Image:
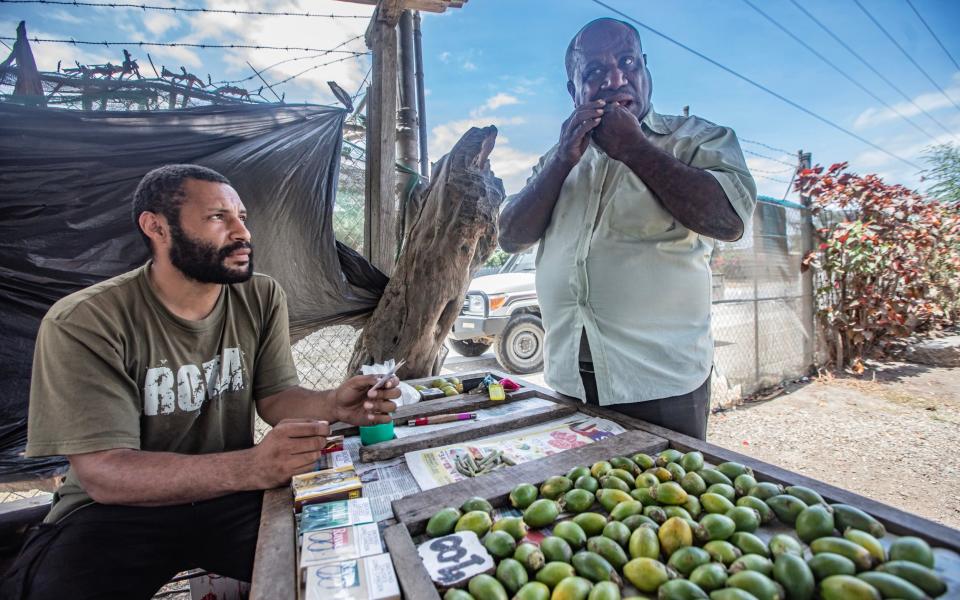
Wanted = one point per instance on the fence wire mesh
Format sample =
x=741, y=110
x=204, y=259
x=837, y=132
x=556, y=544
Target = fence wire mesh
x=761, y=332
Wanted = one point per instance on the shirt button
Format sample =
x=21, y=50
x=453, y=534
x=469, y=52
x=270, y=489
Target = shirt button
x=582, y=302
x=581, y=262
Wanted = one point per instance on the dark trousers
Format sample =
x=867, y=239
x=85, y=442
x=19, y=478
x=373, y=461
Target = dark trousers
x=687, y=413
x=128, y=553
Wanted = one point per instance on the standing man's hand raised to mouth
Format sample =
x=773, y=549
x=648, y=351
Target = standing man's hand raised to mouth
x=619, y=132
x=576, y=130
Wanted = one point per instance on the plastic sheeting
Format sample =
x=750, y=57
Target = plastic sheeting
x=66, y=184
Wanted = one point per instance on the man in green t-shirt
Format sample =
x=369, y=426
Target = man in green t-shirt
x=148, y=383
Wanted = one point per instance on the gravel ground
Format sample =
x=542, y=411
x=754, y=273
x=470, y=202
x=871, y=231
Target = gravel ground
x=891, y=435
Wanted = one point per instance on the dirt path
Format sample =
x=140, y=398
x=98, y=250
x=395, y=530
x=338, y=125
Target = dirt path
x=893, y=435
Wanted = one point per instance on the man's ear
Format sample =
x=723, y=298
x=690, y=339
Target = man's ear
x=155, y=227
x=573, y=91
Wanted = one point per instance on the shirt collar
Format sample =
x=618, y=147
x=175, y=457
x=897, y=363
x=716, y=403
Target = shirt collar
x=655, y=122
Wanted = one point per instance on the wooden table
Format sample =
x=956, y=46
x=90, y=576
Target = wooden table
x=275, y=569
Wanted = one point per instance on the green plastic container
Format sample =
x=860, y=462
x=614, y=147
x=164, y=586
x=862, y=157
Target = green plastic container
x=374, y=434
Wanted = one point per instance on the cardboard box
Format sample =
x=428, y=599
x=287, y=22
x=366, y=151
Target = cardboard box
x=370, y=578
x=339, y=513
x=325, y=486
x=339, y=543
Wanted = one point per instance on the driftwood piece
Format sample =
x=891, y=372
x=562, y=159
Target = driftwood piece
x=454, y=233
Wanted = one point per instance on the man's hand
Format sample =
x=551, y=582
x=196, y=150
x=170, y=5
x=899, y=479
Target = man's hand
x=575, y=133
x=290, y=448
x=357, y=404
x=619, y=132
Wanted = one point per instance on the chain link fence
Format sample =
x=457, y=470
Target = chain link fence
x=322, y=357
x=761, y=333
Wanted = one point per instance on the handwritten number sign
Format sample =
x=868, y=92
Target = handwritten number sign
x=455, y=558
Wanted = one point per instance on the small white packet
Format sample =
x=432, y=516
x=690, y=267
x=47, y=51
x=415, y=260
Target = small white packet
x=408, y=395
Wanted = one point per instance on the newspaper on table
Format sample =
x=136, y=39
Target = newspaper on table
x=383, y=481
x=506, y=409
x=435, y=467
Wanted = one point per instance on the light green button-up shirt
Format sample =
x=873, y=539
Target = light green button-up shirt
x=615, y=264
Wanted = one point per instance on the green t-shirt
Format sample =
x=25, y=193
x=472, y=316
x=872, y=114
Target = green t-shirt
x=113, y=368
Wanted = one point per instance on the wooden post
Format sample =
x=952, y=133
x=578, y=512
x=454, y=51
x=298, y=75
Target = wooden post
x=380, y=206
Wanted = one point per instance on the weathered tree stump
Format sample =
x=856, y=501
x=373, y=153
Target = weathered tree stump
x=453, y=234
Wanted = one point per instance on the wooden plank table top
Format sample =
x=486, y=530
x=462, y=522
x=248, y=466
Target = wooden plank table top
x=275, y=563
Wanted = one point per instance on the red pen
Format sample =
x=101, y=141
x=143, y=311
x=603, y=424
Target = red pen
x=437, y=419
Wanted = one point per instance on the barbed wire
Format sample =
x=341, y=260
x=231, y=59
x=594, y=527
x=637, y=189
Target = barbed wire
x=187, y=45
x=296, y=58
x=768, y=147
x=777, y=179
x=777, y=172
x=782, y=162
x=362, y=83
x=230, y=11
x=292, y=77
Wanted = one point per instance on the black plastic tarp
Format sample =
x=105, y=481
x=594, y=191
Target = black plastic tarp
x=66, y=183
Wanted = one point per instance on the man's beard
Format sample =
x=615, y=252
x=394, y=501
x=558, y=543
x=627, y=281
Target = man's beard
x=205, y=262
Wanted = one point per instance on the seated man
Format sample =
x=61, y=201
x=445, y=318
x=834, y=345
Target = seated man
x=626, y=207
x=147, y=383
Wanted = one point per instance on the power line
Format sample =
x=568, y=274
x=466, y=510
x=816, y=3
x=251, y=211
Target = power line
x=836, y=68
x=260, y=13
x=188, y=45
x=905, y=53
x=757, y=85
x=776, y=160
x=765, y=146
x=296, y=58
x=886, y=80
x=922, y=20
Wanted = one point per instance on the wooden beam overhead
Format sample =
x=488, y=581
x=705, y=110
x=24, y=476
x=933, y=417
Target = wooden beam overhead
x=434, y=6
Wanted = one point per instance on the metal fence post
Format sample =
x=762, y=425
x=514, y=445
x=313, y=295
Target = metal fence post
x=806, y=278
x=756, y=303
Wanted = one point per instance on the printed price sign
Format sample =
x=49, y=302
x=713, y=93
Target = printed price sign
x=455, y=558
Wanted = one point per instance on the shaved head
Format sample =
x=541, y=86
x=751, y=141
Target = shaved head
x=576, y=44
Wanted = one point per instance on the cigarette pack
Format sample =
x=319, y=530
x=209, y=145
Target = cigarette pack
x=339, y=543
x=339, y=513
x=370, y=578
x=340, y=483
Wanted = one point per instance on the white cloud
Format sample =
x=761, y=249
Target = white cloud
x=508, y=163
x=469, y=66
x=929, y=102
x=444, y=57
x=311, y=83
x=65, y=17
x=158, y=23
x=499, y=100
x=523, y=86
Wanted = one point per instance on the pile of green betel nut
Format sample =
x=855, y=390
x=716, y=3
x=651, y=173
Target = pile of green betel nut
x=674, y=528
x=468, y=466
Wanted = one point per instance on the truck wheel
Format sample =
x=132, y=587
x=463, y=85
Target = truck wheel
x=469, y=347
x=519, y=348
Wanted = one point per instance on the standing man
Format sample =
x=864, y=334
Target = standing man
x=148, y=383
x=626, y=208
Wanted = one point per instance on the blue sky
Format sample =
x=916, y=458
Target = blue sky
x=501, y=62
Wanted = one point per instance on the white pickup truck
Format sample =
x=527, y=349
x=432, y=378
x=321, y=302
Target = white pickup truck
x=501, y=310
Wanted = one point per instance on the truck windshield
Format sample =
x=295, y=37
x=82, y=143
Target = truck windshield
x=525, y=262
